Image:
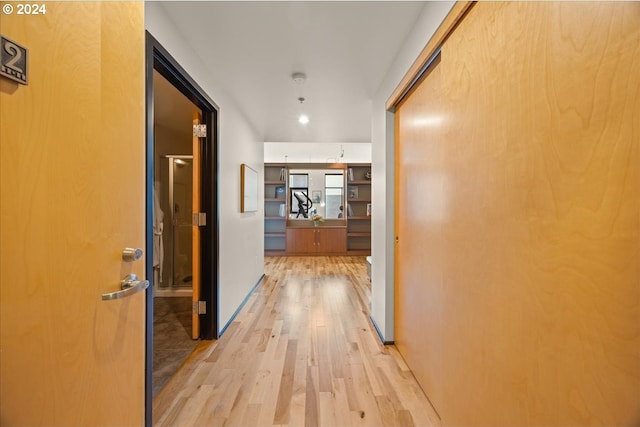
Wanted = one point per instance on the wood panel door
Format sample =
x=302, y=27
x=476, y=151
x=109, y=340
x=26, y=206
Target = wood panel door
x=518, y=218
x=331, y=240
x=196, y=250
x=72, y=198
x=420, y=186
x=301, y=241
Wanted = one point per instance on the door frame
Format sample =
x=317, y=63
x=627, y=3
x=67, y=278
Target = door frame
x=157, y=58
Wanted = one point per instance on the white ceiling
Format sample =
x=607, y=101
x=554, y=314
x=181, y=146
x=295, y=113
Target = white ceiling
x=253, y=48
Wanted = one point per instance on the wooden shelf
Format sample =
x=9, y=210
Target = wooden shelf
x=278, y=234
x=274, y=218
x=272, y=199
x=359, y=224
x=272, y=252
x=274, y=183
x=359, y=252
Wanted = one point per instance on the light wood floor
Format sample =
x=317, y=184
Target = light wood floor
x=302, y=352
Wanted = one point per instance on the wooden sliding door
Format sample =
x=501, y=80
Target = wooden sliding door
x=420, y=186
x=518, y=217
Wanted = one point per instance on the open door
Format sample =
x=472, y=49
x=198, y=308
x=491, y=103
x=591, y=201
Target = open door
x=72, y=197
x=198, y=219
x=204, y=154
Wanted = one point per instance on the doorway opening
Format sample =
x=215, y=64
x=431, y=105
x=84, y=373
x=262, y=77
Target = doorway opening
x=177, y=252
x=181, y=218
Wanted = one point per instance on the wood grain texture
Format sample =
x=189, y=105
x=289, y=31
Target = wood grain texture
x=71, y=199
x=522, y=249
x=316, y=240
x=301, y=240
x=418, y=320
x=439, y=36
x=332, y=240
x=302, y=352
x=196, y=249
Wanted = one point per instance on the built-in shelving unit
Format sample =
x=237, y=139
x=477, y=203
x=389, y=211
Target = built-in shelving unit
x=281, y=237
x=275, y=220
x=359, y=209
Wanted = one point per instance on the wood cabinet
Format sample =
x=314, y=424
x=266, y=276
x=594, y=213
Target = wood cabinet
x=316, y=240
x=331, y=240
x=301, y=240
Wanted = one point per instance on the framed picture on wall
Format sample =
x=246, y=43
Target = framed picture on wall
x=316, y=196
x=248, y=189
x=299, y=201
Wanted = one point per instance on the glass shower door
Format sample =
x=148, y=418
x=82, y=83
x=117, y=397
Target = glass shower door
x=177, y=177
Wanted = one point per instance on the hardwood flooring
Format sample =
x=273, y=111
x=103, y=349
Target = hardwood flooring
x=301, y=352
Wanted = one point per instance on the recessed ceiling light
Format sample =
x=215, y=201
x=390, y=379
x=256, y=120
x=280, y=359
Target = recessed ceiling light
x=304, y=119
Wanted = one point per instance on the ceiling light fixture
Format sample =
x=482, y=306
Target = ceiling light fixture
x=303, y=118
x=299, y=79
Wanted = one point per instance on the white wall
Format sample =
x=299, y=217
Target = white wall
x=241, y=235
x=382, y=167
x=306, y=152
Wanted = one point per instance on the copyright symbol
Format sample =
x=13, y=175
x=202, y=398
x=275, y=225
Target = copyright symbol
x=7, y=9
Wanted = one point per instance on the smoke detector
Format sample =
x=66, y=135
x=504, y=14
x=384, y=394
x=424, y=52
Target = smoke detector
x=299, y=78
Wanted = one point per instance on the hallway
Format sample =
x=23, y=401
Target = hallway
x=301, y=352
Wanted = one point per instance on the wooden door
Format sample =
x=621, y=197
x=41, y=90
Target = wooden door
x=196, y=249
x=72, y=198
x=518, y=297
x=419, y=203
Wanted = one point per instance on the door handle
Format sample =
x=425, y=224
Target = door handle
x=130, y=285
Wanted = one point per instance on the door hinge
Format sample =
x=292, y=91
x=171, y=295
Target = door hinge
x=199, y=219
x=200, y=131
x=199, y=307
